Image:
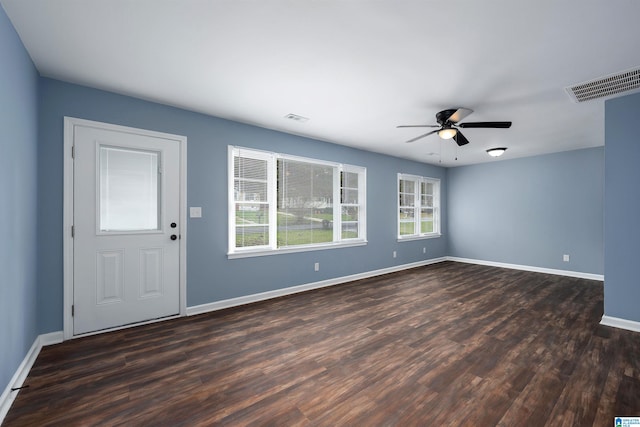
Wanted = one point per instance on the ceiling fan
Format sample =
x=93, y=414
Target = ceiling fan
x=448, y=124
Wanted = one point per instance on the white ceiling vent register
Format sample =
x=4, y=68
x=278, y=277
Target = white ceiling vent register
x=296, y=118
x=607, y=86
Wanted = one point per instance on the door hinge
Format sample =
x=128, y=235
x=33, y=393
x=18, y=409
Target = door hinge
x=73, y=310
x=73, y=231
x=73, y=151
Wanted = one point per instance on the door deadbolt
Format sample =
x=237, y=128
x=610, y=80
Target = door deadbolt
x=173, y=225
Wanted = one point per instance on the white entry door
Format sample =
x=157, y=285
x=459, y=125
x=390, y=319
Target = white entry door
x=126, y=236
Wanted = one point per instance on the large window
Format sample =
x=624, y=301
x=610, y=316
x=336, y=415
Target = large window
x=418, y=207
x=283, y=203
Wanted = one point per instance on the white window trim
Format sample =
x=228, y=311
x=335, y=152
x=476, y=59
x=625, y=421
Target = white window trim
x=272, y=249
x=437, y=220
x=248, y=253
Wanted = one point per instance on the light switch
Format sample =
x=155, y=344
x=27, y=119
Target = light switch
x=195, y=212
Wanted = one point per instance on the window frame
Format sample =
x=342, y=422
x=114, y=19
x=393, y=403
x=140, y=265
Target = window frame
x=272, y=247
x=417, y=208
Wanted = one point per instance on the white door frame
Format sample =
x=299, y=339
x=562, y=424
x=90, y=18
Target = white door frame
x=69, y=126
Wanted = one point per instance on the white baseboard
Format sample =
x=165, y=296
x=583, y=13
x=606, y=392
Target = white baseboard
x=248, y=299
x=616, y=322
x=567, y=273
x=51, y=338
x=8, y=396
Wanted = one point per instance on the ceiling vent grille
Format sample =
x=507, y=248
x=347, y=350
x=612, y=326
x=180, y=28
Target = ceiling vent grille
x=296, y=118
x=607, y=86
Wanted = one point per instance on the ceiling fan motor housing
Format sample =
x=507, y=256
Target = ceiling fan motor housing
x=442, y=117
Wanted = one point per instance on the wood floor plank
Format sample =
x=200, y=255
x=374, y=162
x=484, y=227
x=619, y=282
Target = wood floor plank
x=444, y=344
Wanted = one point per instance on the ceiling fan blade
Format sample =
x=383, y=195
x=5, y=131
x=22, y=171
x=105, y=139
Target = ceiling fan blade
x=460, y=139
x=501, y=125
x=418, y=126
x=460, y=114
x=422, y=136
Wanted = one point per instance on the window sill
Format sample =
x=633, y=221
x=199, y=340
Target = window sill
x=265, y=252
x=426, y=236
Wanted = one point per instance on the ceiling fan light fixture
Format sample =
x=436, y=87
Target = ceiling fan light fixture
x=496, y=152
x=447, y=133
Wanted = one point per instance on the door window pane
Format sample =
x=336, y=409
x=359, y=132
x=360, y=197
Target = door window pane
x=129, y=189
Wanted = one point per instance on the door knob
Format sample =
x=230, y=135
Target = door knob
x=174, y=237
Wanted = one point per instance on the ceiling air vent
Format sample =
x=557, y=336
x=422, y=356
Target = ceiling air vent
x=296, y=118
x=607, y=86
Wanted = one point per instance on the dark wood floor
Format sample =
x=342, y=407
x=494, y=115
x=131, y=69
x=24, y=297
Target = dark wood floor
x=447, y=344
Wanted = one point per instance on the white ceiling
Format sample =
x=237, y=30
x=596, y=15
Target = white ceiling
x=355, y=68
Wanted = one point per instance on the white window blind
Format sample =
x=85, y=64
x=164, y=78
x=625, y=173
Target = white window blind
x=305, y=203
x=129, y=189
x=251, y=199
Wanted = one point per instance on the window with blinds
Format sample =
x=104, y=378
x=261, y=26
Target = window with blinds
x=305, y=203
x=284, y=203
x=251, y=199
x=418, y=206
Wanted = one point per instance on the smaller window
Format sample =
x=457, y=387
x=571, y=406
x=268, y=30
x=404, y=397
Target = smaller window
x=418, y=207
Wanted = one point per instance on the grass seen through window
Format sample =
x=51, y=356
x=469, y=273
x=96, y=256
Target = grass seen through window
x=314, y=228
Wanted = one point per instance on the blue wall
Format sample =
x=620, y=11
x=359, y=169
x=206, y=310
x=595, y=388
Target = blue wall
x=18, y=201
x=210, y=275
x=530, y=211
x=622, y=208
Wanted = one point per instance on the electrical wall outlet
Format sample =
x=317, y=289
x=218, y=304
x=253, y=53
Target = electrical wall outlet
x=565, y=257
x=316, y=266
x=424, y=250
x=394, y=254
